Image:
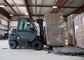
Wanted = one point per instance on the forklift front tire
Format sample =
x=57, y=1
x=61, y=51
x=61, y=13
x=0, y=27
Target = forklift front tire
x=37, y=45
x=13, y=44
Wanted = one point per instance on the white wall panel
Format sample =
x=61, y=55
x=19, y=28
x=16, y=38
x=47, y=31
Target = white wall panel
x=2, y=32
x=3, y=27
x=13, y=24
x=4, y=22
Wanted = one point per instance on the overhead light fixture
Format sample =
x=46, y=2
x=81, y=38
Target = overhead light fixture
x=2, y=6
x=11, y=15
x=54, y=7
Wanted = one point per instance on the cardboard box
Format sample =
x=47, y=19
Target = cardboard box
x=71, y=30
x=79, y=30
x=55, y=30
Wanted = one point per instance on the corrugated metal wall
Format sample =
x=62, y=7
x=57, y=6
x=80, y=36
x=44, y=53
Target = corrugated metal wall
x=3, y=25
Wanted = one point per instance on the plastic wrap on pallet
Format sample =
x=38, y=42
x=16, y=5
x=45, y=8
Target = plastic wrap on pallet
x=79, y=30
x=71, y=30
x=55, y=29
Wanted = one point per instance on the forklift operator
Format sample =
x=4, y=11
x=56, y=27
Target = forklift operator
x=26, y=26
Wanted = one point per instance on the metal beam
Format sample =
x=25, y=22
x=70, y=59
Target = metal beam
x=68, y=7
x=27, y=7
x=22, y=5
x=59, y=4
x=35, y=7
x=27, y=15
x=10, y=6
x=8, y=25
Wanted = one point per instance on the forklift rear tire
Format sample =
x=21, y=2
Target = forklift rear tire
x=37, y=45
x=13, y=44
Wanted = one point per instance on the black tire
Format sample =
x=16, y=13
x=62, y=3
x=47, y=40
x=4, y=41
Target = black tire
x=37, y=45
x=13, y=44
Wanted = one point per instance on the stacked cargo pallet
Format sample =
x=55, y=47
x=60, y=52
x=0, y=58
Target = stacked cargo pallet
x=55, y=30
x=75, y=24
x=70, y=27
x=79, y=30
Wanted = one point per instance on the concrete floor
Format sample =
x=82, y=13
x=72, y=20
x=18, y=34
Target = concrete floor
x=28, y=54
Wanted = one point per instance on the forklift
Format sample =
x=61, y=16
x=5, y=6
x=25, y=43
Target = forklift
x=28, y=32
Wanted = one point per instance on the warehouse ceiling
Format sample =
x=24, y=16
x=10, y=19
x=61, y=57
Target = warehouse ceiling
x=42, y=7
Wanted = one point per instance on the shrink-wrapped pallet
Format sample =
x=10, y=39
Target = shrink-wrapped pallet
x=55, y=29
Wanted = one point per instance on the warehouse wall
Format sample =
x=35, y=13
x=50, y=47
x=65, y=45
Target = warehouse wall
x=13, y=24
x=3, y=25
x=2, y=32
